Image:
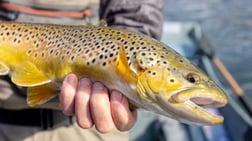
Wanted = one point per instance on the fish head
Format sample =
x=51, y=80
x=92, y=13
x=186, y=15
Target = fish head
x=174, y=87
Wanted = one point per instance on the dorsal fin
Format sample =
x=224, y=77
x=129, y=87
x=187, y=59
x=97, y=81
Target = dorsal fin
x=102, y=22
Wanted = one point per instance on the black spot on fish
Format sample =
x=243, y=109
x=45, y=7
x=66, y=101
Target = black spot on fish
x=86, y=52
x=111, y=55
x=97, y=43
x=141, y=62
x=29, y=52
x=119, y=38
x=104, y=64
x=93, y=61
x=35, y=55
x=72, y=58
x=51, y=51
x=131, y=48
x=75, y=45
x=144, y=47
x=79, y=50
x=154, y=73
x=57, y=53
x=101, y=56
x=62, y=58
x=37, y=45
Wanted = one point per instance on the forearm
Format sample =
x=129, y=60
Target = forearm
x=144, y=16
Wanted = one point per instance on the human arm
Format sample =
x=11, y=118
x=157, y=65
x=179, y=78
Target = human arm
x=144, y=16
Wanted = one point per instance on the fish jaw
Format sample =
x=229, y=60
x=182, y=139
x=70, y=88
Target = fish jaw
x=189, y=112
x=188, y=106
x=202, y=96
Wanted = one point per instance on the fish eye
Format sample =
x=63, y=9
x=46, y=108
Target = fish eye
x=191, y=77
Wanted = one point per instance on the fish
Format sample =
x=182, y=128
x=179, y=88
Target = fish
x=149, y=73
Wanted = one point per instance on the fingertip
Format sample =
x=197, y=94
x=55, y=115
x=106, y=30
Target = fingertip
x=97, y=86
x=85, y=124
x=67, y=94
x=85, y=83
x=116, y=96
x=100, y=108
x=105, y=129
x=82, y=109
x=123, y=117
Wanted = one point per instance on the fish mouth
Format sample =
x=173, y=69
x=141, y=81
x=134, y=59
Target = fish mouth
x=202, y=97
x=189, y=106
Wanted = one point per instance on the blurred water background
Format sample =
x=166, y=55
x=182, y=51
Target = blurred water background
x=228, y=26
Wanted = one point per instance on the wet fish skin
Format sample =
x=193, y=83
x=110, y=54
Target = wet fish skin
x=148, y=72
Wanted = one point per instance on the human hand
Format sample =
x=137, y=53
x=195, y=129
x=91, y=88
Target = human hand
x=91, y=105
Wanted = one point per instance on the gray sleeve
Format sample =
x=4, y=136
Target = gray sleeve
x=144, y=16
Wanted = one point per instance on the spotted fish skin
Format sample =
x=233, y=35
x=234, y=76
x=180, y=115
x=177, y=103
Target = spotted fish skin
x=150, y=74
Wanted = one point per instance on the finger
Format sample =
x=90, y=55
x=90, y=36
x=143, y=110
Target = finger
x=123, y=118
x=100, y=108
x=67, y=94
x=82, y=109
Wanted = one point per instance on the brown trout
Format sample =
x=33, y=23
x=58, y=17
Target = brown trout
x=149, y=73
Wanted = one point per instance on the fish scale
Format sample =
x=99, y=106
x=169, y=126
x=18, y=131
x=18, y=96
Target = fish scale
x=149, y=73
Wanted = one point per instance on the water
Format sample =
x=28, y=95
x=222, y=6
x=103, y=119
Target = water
x=228, y=26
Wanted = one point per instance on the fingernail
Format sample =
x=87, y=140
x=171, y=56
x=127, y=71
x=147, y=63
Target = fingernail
x=69, y=78
x=85, y=83
x=117, y=96
x=98, y=86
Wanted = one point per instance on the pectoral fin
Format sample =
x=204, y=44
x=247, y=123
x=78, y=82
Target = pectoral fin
x=27, y=74
x=41, y=94
x=123, y=68
x=4, y=69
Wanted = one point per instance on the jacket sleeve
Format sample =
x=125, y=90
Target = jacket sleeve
x=144, y=16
